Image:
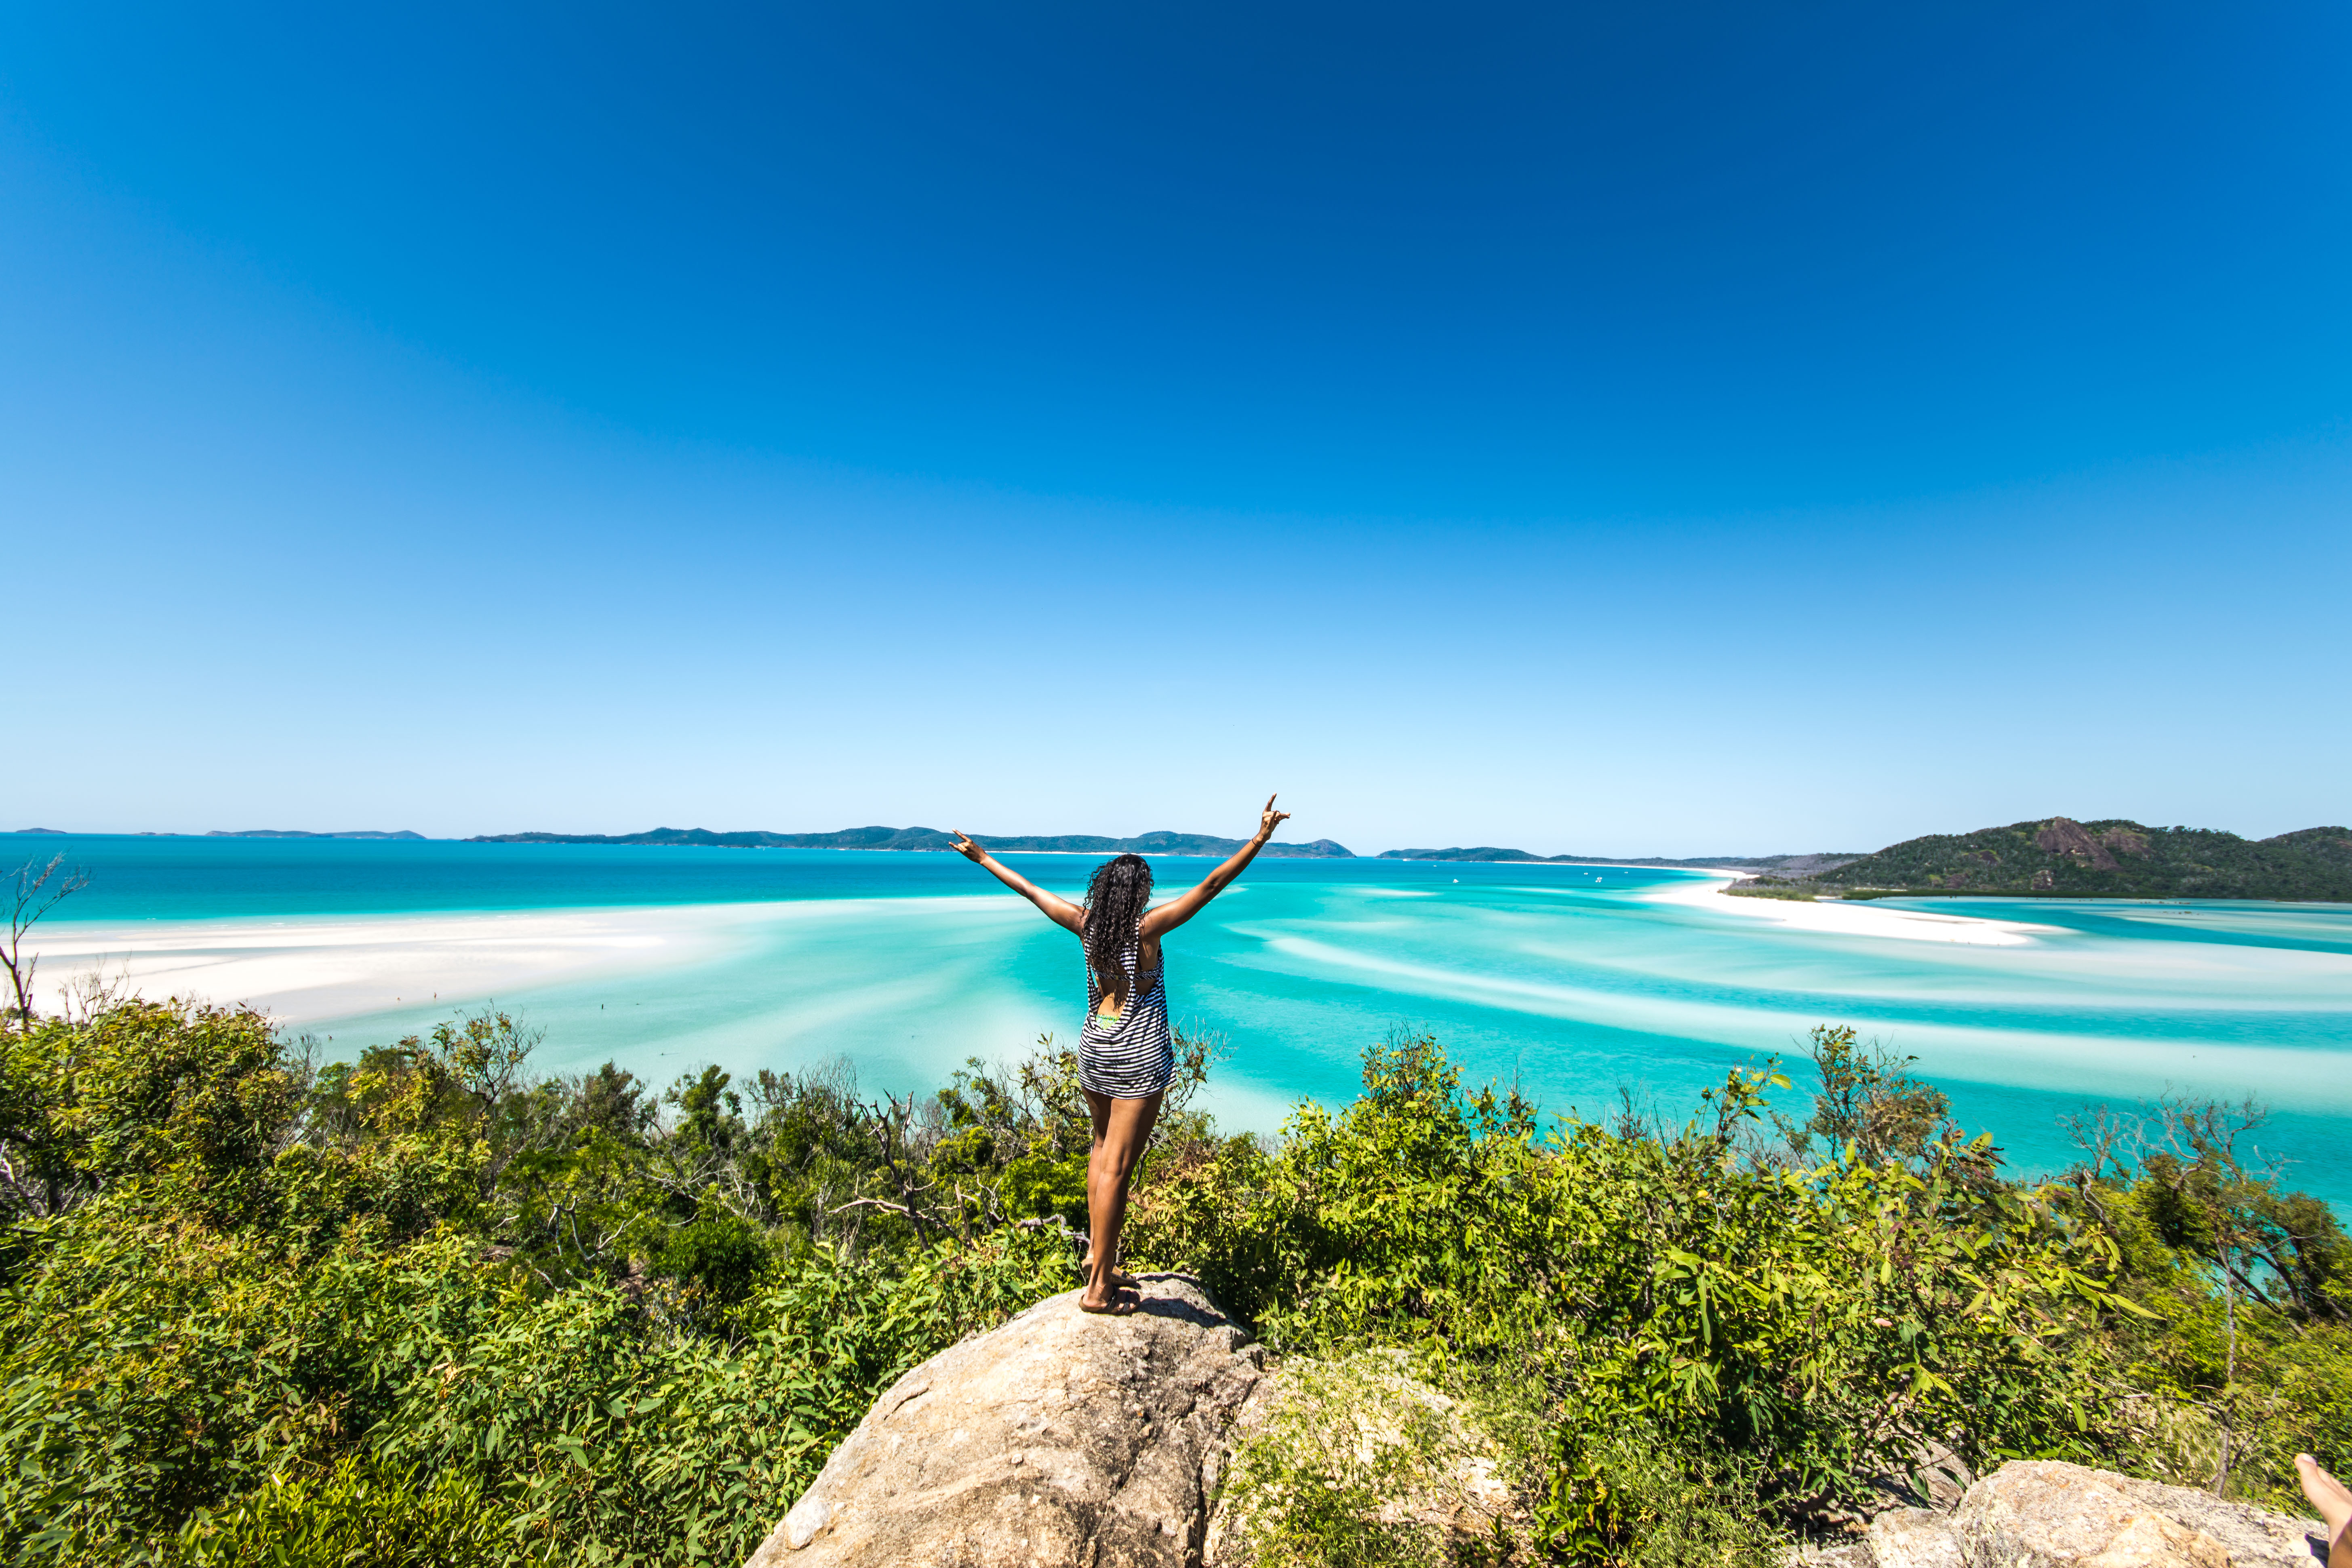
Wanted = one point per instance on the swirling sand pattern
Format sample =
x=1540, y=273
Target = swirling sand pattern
x=1573, y=981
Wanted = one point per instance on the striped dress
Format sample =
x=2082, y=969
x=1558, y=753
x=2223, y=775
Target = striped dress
x=1135, y=1058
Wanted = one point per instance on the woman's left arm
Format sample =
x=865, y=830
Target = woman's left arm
x=1177, y=910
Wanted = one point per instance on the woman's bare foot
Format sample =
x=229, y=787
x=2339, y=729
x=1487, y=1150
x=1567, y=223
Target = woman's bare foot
x=1118, y=1304
x=2328, y=1496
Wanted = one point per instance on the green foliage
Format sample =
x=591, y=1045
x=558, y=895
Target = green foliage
x=1818, y=1325
x=424, y=1306
x=599, y=1436
x=2242, y=1357
x=1871, y=1111
x=1633, y=1501
x=720, y=1255
x=140, y=1089
x=1358, y=1463
x=356, y=1513
x=252, y=1313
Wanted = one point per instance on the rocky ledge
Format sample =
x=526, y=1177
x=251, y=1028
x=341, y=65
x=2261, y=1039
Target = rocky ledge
x=1068, y=1441
x=1058, y=1439
x=2039, y=1513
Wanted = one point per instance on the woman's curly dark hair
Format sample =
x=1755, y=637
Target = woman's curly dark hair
x=1115, y=902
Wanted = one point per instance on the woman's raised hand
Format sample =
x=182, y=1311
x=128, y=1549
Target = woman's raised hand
x=1269, y=819
x=964, y=846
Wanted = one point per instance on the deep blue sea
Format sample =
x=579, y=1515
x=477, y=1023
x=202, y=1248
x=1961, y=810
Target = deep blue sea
x=1576, y=982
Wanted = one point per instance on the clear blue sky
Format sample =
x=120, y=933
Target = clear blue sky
x=1627, y=428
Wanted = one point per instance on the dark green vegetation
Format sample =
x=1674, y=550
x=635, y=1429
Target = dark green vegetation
x=2108, y=859
x=429, y=1307
x=1747, y=1317
x=1159, y=843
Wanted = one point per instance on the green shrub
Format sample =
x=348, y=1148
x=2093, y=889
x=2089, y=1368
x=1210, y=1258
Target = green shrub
x=1824, y=1323
x=670, y=1445
x=248, y=1313
x=720, y=1255
x=378, y=1328
x=355, y=1516
x=1634, y=1500
x=1358, y=1462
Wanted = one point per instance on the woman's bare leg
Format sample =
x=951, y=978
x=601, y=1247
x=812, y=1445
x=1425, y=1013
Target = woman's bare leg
x=1122, y=1131
x=1098, y=1108
x=2334, y=1505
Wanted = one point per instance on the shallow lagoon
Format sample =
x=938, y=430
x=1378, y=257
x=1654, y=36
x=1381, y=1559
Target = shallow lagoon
x=1573, y=981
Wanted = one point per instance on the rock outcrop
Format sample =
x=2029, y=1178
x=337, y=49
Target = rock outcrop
x=2040, y=1513
x=1060, y=1438
x=2064, y=836
x=1068, y=1441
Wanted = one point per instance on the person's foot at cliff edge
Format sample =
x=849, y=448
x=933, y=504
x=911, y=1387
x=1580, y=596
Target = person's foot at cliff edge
x=2334, y=1503
x=1119, y=1277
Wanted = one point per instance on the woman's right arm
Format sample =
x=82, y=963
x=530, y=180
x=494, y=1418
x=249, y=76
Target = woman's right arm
x=1059, y=909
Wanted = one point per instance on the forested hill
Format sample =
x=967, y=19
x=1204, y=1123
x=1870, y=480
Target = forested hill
x=2109, y=859
x=1159, y=843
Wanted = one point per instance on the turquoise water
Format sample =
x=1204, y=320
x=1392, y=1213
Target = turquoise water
x=1573, y=981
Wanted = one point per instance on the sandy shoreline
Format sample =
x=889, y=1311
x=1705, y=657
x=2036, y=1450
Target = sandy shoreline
x=299, y=969
x=1836, y=918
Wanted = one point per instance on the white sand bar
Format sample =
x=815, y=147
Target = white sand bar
x=1836, y=918
x=303, y=969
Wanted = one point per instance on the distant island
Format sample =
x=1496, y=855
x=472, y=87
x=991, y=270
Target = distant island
x=2056, y=857
x=1781, y=865
x=292, y=833
x=2059, y=858
x=246, y=833
x=1161, y=843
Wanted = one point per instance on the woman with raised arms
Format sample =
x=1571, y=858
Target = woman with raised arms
x=1127, y=1053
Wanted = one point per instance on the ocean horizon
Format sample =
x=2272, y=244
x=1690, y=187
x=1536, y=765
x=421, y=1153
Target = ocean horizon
x=1579, y=983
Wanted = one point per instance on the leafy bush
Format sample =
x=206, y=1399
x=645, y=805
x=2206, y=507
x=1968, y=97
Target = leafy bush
x=1824, y=1323
x=424, y=1303
x=355, y=1513
x=1638, y=1502
x=1358, y=1462
x=2242, y=1357
x=248, y=1309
